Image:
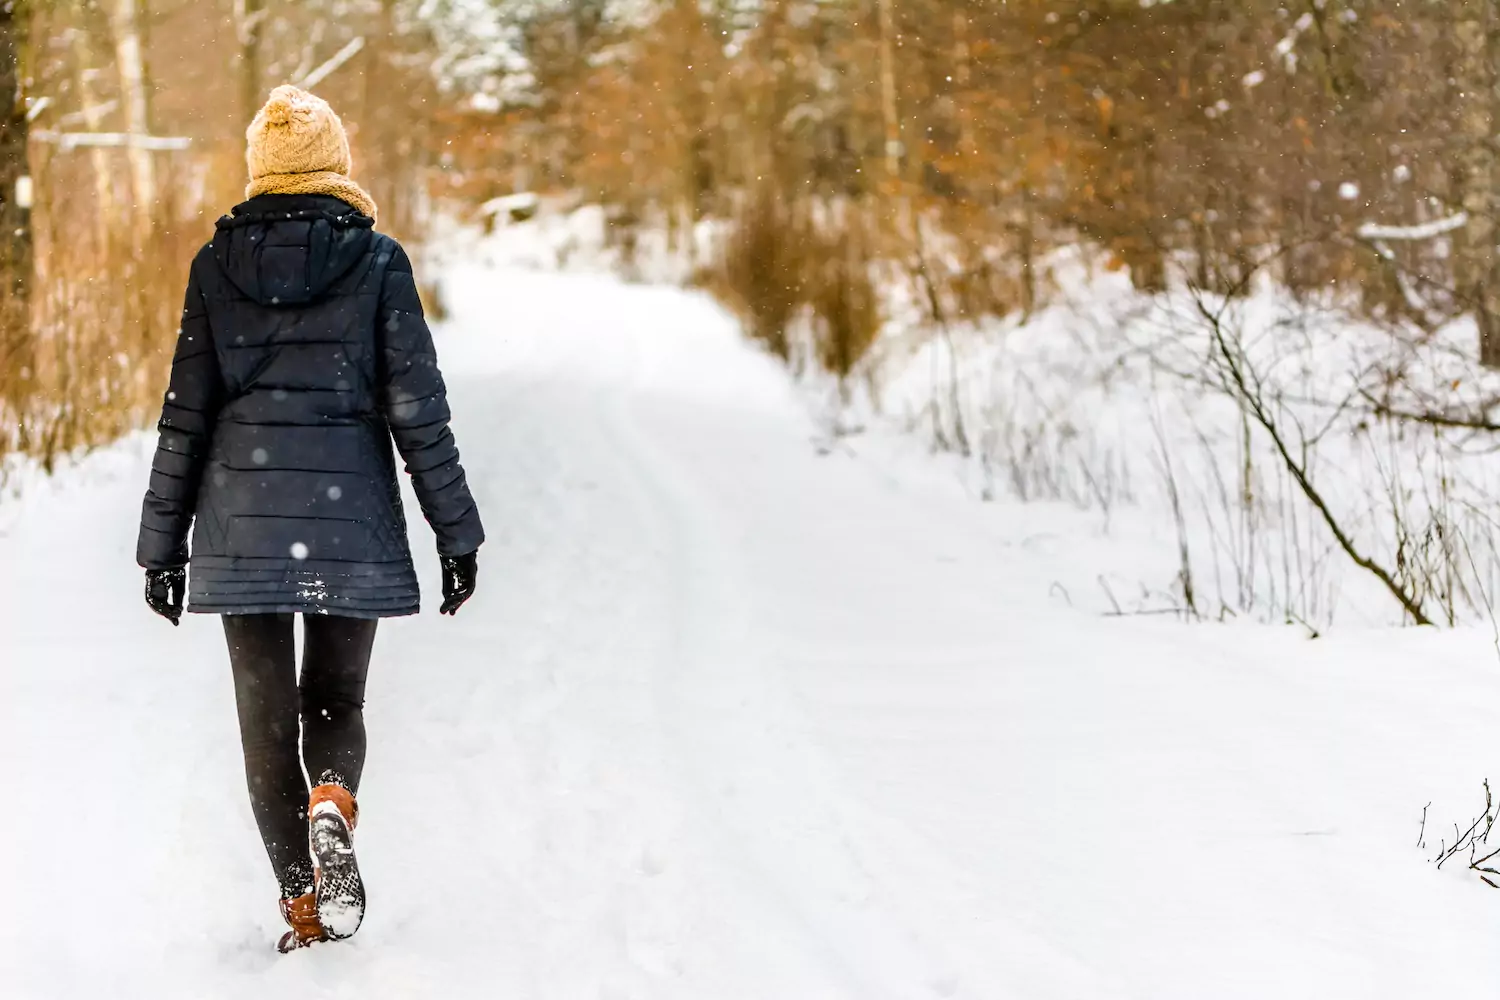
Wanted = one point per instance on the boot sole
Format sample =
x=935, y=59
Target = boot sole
x=340, y=890
x=290, y=942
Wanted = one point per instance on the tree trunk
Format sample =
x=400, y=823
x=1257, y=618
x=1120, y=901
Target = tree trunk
x=888, y=88
x=252, y=18
x=15, y=177
x=17, y=361
x=130, y=60
x=1479, y=265
x=84, y=62
x=1026, y=240
x=1143, y=251
x=381, y=118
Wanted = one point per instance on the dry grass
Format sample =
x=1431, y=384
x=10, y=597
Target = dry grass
x=760, y=271
x=782, y=265
x=845, y=304
x=85, y=359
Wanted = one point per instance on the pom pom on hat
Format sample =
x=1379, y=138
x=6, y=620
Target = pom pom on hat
x=278, y=110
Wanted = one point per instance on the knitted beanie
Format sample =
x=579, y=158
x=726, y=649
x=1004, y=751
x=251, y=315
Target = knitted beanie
x=297, y=145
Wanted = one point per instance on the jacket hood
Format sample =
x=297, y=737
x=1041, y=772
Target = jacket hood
x=289, y=250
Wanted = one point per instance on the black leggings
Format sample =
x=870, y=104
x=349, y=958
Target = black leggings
x=329, y=704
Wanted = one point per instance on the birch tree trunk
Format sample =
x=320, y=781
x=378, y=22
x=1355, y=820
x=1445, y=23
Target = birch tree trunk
x=134, y=101
x=92, y=108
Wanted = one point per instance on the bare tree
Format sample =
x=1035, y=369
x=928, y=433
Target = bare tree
x=251, y=23
x=92, y=107
x=15, y=180
x=1477, y=32
x=130, y=62
x=888, y=110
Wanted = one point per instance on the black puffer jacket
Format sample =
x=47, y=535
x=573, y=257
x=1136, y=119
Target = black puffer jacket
x=303, y=352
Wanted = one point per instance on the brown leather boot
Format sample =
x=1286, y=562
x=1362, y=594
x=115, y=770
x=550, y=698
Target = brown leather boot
x=301, y=915
x=340, y=895
x=341, y=798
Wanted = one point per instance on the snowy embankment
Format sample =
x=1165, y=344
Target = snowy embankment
x=1127, y=406
x=731, y=718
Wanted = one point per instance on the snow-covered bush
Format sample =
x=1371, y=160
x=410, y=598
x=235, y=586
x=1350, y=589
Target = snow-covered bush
x=1302, y=464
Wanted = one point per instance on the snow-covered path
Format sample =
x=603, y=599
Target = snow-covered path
x=729, y=719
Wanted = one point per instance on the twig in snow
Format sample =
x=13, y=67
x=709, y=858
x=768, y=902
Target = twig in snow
x=1243, y=383
x=1057, y=587
x=1473, y=839
x=1104, y=585
x=1312, y=633
x=1184, y=555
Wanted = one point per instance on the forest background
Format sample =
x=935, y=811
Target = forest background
x=866, y=172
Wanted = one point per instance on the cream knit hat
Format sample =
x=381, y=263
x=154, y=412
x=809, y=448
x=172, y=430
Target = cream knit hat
x=297, y=145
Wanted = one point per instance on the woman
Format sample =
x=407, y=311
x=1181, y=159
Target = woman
x=303, y=352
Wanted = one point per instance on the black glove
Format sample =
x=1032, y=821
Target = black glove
x=164, y=592
x=459, y=574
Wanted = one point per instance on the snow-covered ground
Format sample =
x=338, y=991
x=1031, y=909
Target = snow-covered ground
x=732, y=717
x=1115, y=402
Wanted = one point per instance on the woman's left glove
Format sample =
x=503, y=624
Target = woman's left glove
x=164, y=592
x=459, y=576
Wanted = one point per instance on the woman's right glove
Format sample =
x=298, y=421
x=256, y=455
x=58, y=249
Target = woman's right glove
x=459, y=576
x=164, y=592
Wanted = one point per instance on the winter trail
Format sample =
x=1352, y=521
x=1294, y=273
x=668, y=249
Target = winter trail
x=731, y=719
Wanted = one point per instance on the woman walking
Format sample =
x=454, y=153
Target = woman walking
x=303, y=353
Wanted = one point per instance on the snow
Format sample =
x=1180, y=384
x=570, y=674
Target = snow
x=523, y=201
x=735, y=714
x=1109, y=401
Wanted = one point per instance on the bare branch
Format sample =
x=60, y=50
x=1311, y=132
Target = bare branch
x=73, y=140
x=1245, y=383
x=1421, y=231
x=333, y=63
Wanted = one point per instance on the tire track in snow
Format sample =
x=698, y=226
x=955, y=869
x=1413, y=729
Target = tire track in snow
x=869, y=891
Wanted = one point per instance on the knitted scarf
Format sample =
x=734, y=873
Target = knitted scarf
x=321, y=182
